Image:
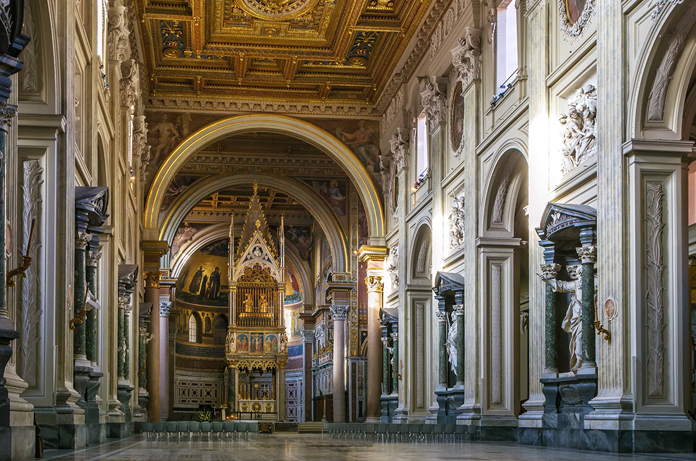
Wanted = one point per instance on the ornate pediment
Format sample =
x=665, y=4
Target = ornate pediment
x=388, y=316
x=92, y=202
x=448, y=282
x=562, y=221
x=127, y=276
x=255, y=226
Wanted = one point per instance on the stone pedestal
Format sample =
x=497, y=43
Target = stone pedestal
x=96, y=431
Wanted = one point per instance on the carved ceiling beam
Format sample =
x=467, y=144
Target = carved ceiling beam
x=290, y=69
x=240, y=65
x=324, y=90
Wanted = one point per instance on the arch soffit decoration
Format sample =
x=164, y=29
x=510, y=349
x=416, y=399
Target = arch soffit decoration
x=220, y=231
x=304, y=194
x=648, y=60
x=492, y=185
x=270, y=123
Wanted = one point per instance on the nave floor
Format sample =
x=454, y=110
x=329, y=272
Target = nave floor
x=311, y=447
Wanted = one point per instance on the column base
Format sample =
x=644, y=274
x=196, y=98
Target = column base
x=124, y=393
x=388, y=404
x=18, y=442
x=61, y=430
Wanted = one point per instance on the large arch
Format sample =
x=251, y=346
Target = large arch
x=304, y=194
x=270, y=123
x=658, y=49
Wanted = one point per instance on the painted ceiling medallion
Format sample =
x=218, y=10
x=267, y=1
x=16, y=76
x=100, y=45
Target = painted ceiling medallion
x=575, y=15
x=277, y=10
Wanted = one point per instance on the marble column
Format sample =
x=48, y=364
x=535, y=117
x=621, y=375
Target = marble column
x=375, y=288
x=549, y=271
x=82, y=367
x=280, y=391
x=164, y=309
x=308, y=345
x=588, y=255
x=442, y=344
x=339, y=310
x=231, y=389
x=92, y=341
x=127, y=281
x=152, y=287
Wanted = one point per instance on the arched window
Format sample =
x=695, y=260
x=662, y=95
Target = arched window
x=422, y=163
x=506, y=61
x=193, y=329
x=102, y=21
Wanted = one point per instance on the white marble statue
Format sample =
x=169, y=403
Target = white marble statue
x=452, y=349
x=572, y=322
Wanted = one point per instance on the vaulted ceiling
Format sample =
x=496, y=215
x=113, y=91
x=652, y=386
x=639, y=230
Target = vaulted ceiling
x=309, y=51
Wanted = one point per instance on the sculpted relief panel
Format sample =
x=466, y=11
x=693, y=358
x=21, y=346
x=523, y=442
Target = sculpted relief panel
x=580, y=132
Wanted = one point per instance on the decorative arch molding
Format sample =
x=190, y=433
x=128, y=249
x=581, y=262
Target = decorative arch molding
x=220, y=231
x=502, y=188
x=269, y=123
x=298, y=190
x=665, y=67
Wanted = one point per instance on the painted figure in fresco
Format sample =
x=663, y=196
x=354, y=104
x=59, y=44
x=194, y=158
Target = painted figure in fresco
x=195, y=284
x=248, y=303
x=204, y=286
x=183, y=235
x=572, y=322
x=242, y=343
x=168, y=137
x=214, y=286
x=574, y=9
x=362, y=143
x=333, y=195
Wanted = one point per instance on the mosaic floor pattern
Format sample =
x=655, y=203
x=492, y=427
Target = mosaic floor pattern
x=312, y=447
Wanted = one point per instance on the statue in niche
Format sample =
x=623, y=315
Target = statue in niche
x=283, y=343
x=452, y=349
x=263, y=303
x=393, y=265
x=572, y=322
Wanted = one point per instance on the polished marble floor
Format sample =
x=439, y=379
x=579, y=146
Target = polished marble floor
x=320, y=448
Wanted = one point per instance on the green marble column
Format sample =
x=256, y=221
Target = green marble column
x=459, y=316
x=587, y=254
x=122, y=303
x=79, y=290
x=386, y=389
x=442, y=343
x=395, y=355
x=142, y=356
x=92, y=327
x=549, y=272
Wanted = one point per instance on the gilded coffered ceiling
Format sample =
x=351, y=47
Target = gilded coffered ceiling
x=308, y=51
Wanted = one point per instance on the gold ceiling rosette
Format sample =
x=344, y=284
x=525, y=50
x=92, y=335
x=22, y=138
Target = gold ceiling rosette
x=277, y=10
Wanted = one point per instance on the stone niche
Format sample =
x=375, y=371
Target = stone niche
x=567, y=235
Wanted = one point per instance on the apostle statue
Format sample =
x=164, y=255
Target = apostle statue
x=452, y=349
x=572, y=322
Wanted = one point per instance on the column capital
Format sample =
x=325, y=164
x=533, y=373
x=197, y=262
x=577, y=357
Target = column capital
x=340, y=311
x=399, y=143
x=165, y=308
x=7, y=113
x=82, y=239
x=395, y=335
x=307, y=336
x=385, y=340
x=458, y=309
x=549, y=271
x=93, y=258
x=152, y=279
x=441, y=316
x=434, y=101
x=374, y=284
x=466, y=57
x=587, y=254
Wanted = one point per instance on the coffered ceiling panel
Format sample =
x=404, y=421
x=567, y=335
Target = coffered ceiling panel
x=310, y=51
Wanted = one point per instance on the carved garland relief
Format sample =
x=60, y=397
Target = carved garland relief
x=654, y=268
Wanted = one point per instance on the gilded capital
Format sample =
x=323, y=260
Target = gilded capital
x=374, y=284
x=152, y=279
